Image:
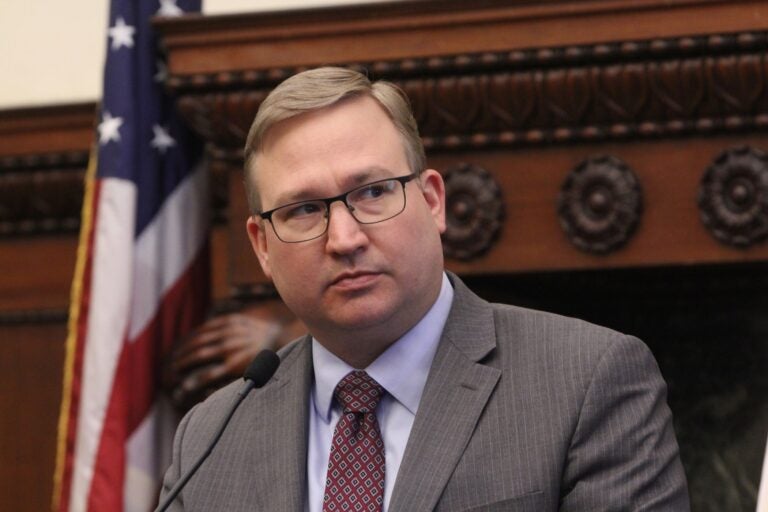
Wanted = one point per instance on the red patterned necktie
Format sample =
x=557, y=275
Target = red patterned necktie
x=355, y=479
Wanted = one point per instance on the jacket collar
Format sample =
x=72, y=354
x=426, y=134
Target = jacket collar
x=457, y=390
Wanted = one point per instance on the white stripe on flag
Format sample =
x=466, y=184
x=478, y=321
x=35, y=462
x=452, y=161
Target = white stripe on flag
x=149, y=454
x=168, y=245
x=111, y=291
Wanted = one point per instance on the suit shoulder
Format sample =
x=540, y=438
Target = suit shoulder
x=209, y=412
x=549, y=327
x=542, y=351
x=547, y=340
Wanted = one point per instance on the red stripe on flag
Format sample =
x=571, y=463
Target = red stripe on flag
x=77, y=366
x=137, y=378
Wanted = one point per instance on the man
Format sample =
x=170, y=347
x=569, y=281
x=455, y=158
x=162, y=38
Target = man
x=411, y=393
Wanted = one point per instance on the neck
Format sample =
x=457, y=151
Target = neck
x=357, y=349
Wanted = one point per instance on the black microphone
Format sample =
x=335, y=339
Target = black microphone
x=258, y=373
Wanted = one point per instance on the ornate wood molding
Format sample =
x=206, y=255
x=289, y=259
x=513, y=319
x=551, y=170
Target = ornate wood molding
x=474, y=211
x=645, y=88
x=270, y=42
x=41, y=193
x=733, y=198
x=600, y=204
x=43, y=316
x=48, y=130
x=43, y=156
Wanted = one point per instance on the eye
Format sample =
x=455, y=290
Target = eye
x=374, y=190
x=301, y=210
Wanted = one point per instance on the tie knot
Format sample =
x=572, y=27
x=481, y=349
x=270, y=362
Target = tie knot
x=358, y=392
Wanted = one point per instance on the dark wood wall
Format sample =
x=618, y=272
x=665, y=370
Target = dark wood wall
x=573, y=134
x=43, y=155
x=605, y=159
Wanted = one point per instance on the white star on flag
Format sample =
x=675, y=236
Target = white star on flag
x=169, y=8
x=162, y=140
x=121, y=34
x=109, y=128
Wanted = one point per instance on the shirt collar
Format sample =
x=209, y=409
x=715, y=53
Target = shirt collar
x=402, y=369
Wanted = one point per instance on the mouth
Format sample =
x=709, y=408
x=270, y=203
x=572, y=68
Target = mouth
x=354, y=280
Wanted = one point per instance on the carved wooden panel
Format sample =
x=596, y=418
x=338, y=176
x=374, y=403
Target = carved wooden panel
x=41, y=193
x=43, y=156
x=624, y=90
x=474, y=212
x=524, y=92
x=733, y=198
x=218, y=51
x=600, y=204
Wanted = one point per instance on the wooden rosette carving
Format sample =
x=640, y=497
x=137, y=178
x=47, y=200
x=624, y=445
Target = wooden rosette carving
x=733, y=197
x=600, y=204
x=474, y=211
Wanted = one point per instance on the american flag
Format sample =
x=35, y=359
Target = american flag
x=142, y=277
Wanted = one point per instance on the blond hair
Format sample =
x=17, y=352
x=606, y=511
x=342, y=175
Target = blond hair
x=319, y=88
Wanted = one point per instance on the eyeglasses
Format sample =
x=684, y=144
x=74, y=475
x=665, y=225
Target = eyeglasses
x=368, y=204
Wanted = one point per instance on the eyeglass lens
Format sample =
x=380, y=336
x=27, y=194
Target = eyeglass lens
x=371, y=203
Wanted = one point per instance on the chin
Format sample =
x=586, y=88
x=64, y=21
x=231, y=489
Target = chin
x=361, y=316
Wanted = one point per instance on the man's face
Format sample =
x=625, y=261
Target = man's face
x=369, y=283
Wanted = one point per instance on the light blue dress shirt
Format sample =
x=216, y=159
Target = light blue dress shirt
x=401, y=370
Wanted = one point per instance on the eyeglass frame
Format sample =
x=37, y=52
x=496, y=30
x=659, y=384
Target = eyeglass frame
x=328, y=201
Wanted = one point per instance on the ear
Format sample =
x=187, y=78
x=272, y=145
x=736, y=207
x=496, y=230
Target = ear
x=258, y=237
x=433, y=188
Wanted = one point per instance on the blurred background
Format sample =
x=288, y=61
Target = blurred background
x=605, y=160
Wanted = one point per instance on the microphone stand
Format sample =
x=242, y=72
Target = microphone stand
x=258, y=373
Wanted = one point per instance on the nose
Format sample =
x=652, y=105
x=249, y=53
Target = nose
x=345, y=235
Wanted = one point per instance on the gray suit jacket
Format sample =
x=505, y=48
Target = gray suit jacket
x=522, y=411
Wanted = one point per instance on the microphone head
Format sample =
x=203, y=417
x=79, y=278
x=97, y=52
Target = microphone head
x=262, y=368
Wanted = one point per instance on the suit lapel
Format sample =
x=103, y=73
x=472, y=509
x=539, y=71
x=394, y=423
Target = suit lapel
x=457, y=389
x=280, y=476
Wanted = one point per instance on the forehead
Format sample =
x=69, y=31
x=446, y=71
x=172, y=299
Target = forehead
x=324, y=151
